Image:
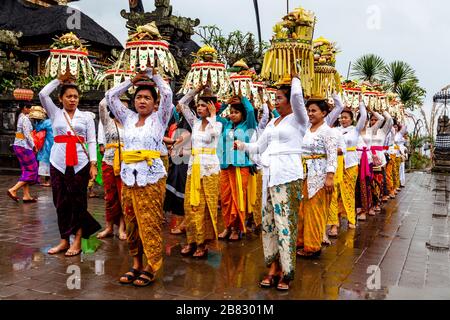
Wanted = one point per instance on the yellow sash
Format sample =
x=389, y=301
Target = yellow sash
x=117, y=157
x=351, y=149
x=239, y=189
x=140, y=155
x=251, y=192
x=311, y=157
x=20, y=135
x=397, y=147
x=339, y=177
x=195, y=174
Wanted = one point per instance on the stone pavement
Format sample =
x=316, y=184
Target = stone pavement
x=406, y=248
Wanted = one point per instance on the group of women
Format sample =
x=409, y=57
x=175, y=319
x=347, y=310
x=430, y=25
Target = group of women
x=287, y=169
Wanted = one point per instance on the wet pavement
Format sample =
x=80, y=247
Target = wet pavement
x=403, y=253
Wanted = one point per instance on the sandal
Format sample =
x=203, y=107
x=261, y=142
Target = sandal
x=61, y=250
x=188, y=250
x=235, y=232
x=225, y=234
x=145, y=281
x=269, y=281
x=201, y=254
x=130, y=277
x=333, y=234
x=177, y=231
x=308, y=255
x=9, y=194
x=70, y=253
x=283, y=285
x=33, y=200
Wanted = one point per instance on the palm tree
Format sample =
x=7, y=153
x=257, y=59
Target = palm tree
x=368, y=68
x=411, y=94
x=397, y=73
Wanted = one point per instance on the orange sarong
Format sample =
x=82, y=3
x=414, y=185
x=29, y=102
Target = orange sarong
x=312, y=219
x=231, y=204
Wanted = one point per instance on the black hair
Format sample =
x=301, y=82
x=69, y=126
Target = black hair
x=286, y=91
x=22, y=105
x=149, y=88
x=350, y=113
x=67, y=86
x=395, y=122
x=322, y=104
x=208, y=99
x=111, y=115
x=240, y=107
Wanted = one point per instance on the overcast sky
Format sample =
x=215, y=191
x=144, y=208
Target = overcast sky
x=414, y=31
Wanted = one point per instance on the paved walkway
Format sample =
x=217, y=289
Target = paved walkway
x=406, y=248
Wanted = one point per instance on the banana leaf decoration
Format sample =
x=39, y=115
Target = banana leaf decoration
x=291, y=51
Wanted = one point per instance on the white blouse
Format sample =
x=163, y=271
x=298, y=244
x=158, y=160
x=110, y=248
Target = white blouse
x=82, y=123
x=255, y=157
x=25, y=127
x=111, y=132
x=280, y=146
x=147, y=137
x=400, y=140
x=322, y=141
x=208, y=138
x=351, y=136
x=379, y=136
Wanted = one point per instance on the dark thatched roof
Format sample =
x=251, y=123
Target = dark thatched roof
x=46, y=23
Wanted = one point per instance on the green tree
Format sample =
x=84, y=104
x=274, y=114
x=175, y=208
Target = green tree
x=234, y=46
x=411, y=94
x=368, y=68
x=396, y=73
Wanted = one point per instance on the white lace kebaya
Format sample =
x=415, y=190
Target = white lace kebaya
x=280, y=146
x=111, y=133
x=209, y=138
x=25, y=127
x=147, y=137
x=321, y=142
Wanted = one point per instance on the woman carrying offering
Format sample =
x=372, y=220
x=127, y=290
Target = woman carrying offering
x=235, y=166
x=71, y=165
x=345, y=190
x=143, y=172
x=113, y=134
x=320, y=163
x=202, y=184
x=280, y=147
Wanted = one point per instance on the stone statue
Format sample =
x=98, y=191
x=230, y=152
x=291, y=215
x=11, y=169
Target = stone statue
x=443, y=125
x=163, y=8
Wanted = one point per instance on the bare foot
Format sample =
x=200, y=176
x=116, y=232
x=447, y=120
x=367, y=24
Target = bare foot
x=122, y=235
x=235, y=235
x=74, y=250
x=333, y=231
x=108, y=232
x=362, y=217
x=63, y=246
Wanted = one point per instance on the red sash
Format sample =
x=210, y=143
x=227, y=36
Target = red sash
x=71, y=147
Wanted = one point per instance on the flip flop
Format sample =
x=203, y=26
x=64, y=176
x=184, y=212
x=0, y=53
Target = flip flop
x=58, y=251
x=34, y=200
x=177, y=231
x=72, y=253
x=9, y=194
